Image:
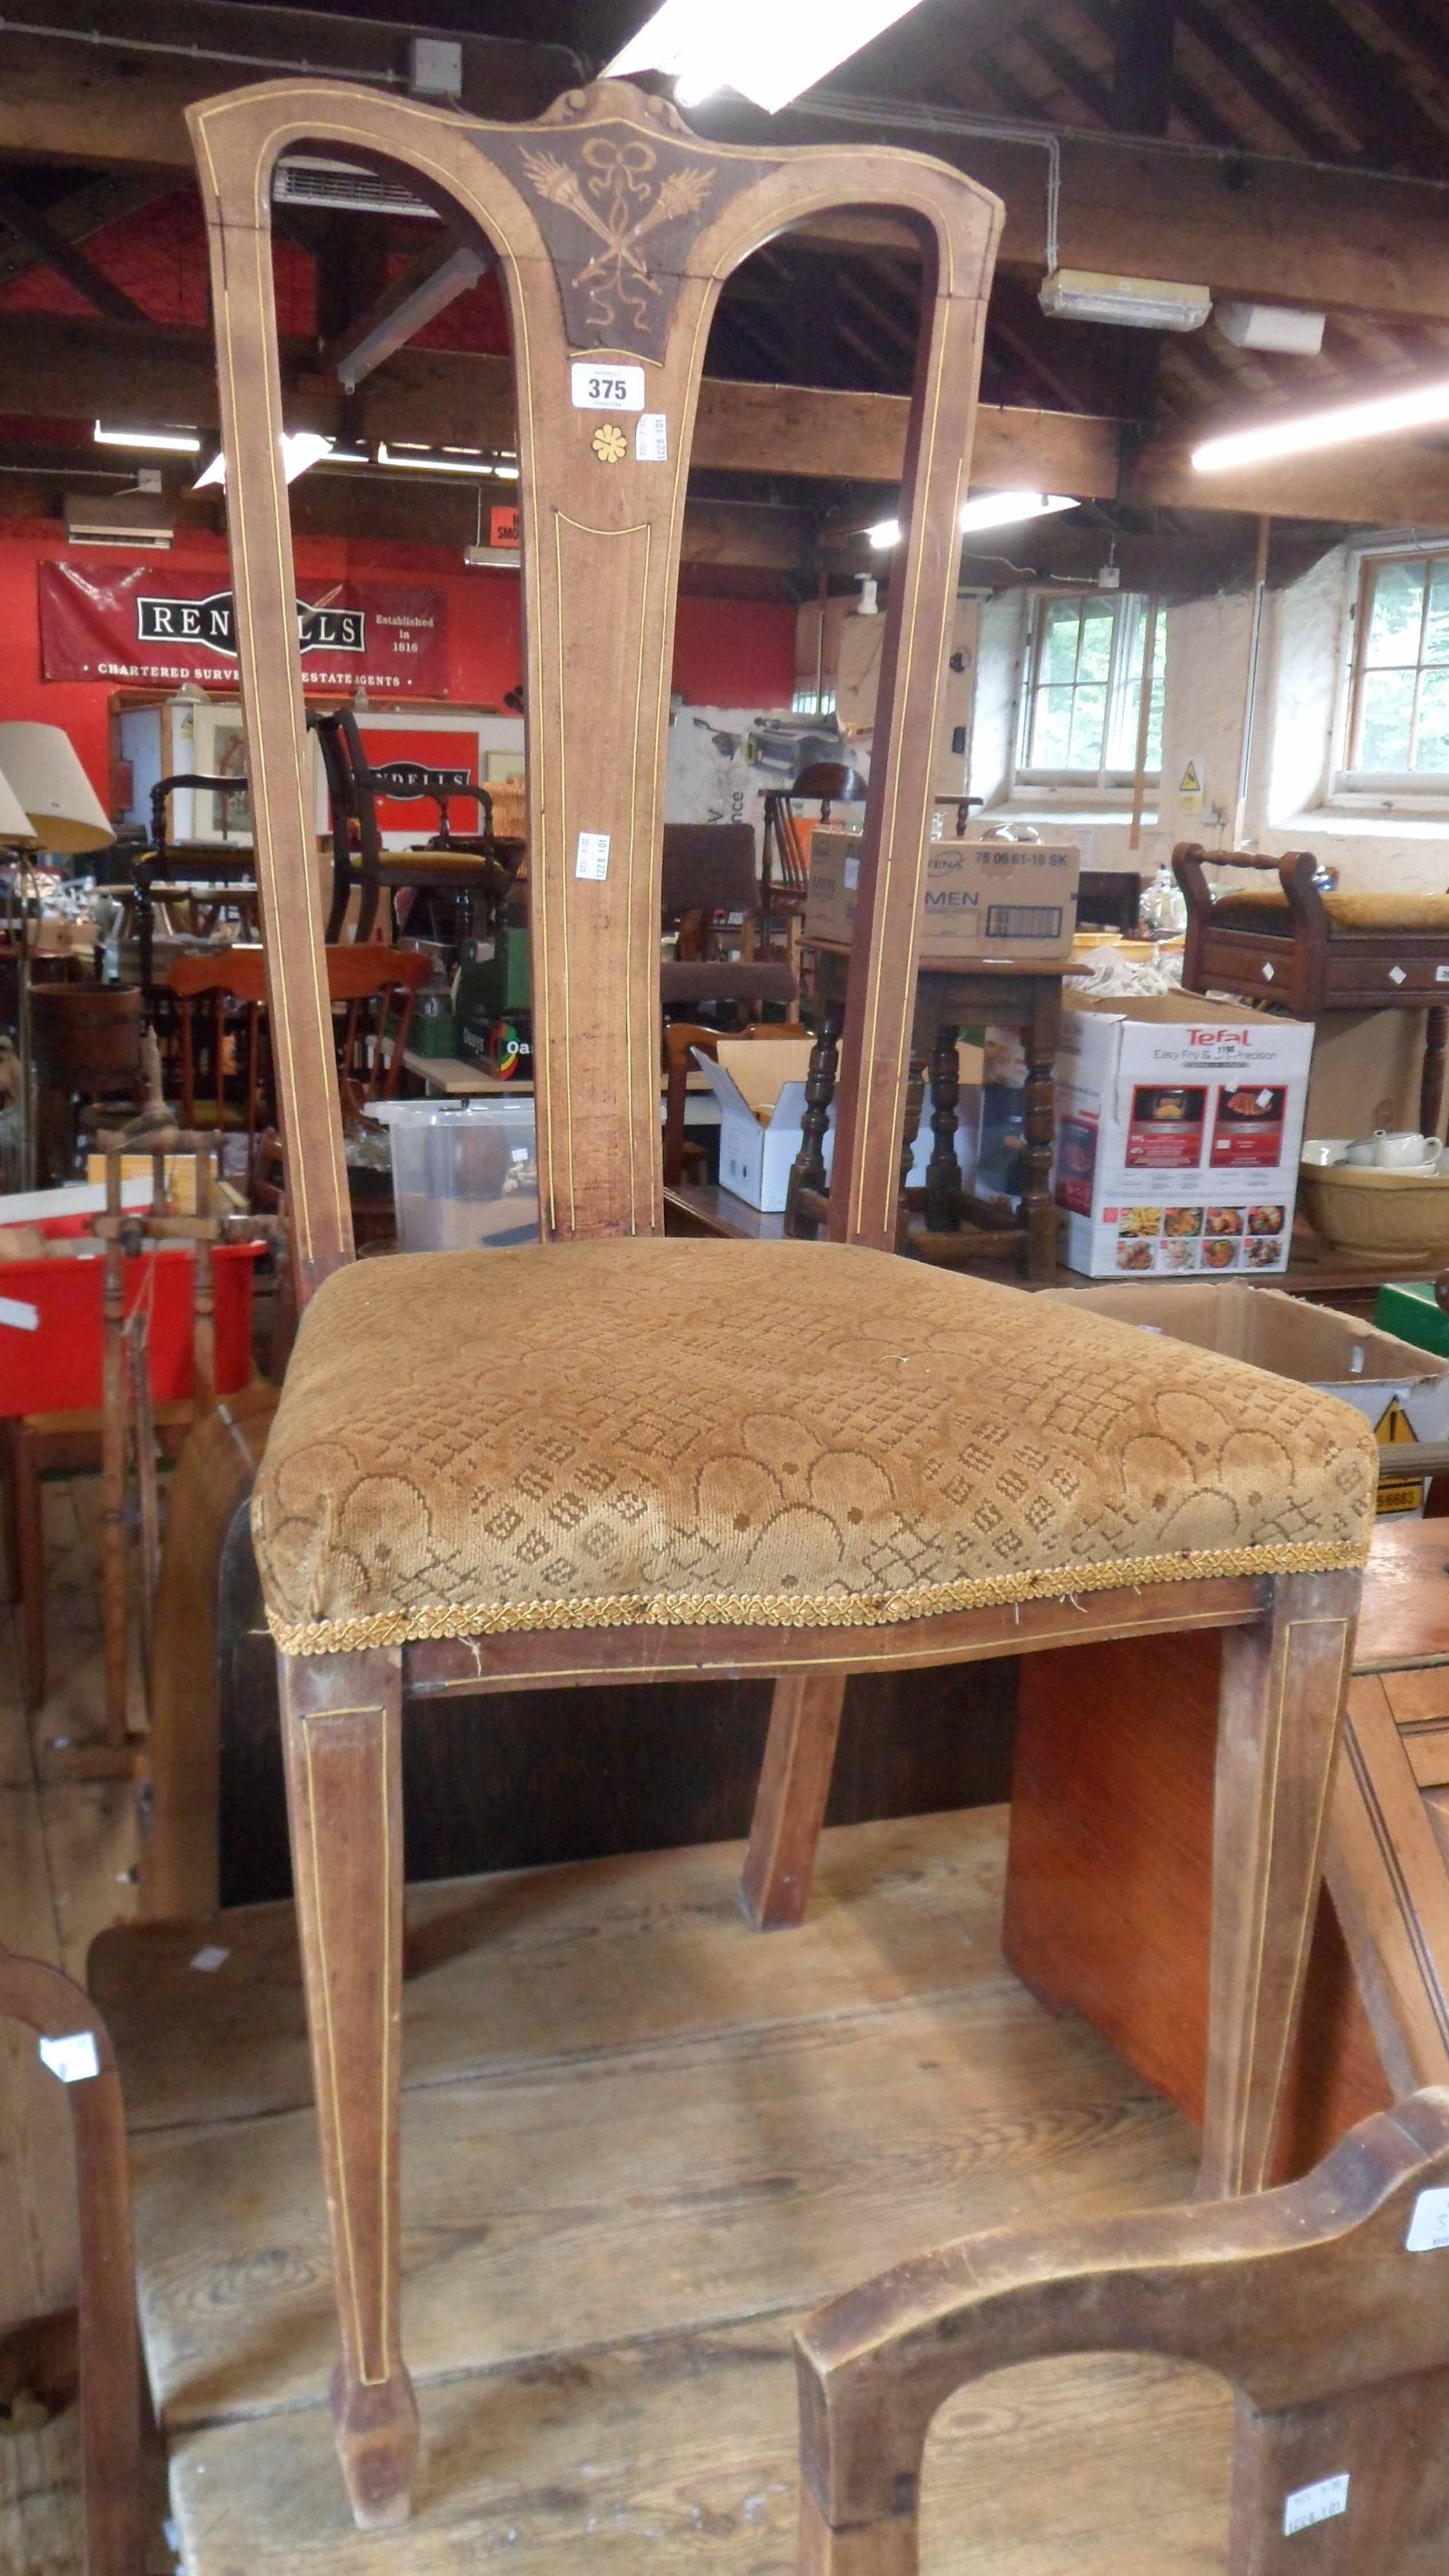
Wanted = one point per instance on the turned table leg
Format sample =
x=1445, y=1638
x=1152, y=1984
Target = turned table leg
x=915, y=1103
x=943, y=1172
x=1038, y=1122
x=808, y=1169
x=1431, y=1079
x=342, y=1734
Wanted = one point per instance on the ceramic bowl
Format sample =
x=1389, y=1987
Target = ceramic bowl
x=1385, y=1216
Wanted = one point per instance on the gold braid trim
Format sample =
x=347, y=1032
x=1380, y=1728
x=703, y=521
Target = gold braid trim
x=818, y=1610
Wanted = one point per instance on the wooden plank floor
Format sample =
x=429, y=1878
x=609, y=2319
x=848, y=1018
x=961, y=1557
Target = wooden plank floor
x=639, y=2142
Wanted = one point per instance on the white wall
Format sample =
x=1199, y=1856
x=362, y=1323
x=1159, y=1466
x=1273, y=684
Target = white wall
x=1290, y=774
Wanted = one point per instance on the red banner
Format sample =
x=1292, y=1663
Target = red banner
x=144, y=621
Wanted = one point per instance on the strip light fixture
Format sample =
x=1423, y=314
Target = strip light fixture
x=179, y=442
x=1424, y=407
x=300, y=448
x=988, y=510
x=767, y=53
x=467, y=461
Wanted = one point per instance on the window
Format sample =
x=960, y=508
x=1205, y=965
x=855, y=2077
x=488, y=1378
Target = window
x=1398, y=714
x=1083, y=694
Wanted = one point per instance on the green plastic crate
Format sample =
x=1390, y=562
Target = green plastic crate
x=1409, y=1308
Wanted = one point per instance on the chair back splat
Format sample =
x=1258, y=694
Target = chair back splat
x=614, y=228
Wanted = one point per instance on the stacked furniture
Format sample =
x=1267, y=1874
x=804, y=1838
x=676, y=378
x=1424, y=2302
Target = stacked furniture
x=737, y=1458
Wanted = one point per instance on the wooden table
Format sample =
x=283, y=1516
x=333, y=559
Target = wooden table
x=459, y=1080
x=951, y=994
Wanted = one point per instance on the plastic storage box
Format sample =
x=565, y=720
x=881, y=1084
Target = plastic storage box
x=464, y=1172
x=52, y=1316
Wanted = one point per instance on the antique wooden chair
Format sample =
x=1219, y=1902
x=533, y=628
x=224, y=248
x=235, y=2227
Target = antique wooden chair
x=1313, y=951
x=639, y=1474
x=76, y=2047
x=365, y=986
x=785, y=873
x=466, y=868
x=1325, y=2306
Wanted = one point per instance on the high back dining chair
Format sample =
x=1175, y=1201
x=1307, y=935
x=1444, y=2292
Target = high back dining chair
x=682, y=1039
x=785, y=873
x=464, y=866
x=364, y=984
x=1325, y=2306
x=922, y=1472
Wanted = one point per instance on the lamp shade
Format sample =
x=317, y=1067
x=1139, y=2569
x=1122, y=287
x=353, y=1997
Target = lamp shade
x=15, y=823
x=44, y=769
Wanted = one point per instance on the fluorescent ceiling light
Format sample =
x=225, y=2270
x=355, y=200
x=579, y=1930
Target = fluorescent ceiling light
x=418, y=464
x=988, y=510
x=1424, y=408
x=300, y=448
x=766, y=52
x=183, y=442
x=1142, y=303
x=1004, y=509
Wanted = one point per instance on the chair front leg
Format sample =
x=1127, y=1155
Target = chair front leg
x=1279, y=1714
x=342, y=1730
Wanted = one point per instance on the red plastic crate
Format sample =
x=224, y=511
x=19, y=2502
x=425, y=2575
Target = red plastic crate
x=56, y=1368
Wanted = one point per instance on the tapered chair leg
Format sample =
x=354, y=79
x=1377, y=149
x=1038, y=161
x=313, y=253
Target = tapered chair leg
x=1280, y=1711
x=790, y=1801
x=342, y=1733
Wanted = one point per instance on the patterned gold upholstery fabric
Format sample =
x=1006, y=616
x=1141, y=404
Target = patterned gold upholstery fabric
x=1266, y=911
x=760, y=1434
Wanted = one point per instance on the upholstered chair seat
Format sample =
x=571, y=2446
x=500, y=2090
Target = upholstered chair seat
x=775, y=1435
x=1266, y=910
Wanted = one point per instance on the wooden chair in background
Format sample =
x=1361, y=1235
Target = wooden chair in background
x=1325, y=2306
x=681, y=1458
x=785, y=875
x=709, y=873
x=86, y=1043
x=77, y=2049
x=469, y=870
x=365, y=985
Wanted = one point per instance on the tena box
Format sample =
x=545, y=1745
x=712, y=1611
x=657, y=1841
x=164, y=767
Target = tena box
x=1402, y=1393
x=760, y=1086
x=983, y=900
x=1178, y=1124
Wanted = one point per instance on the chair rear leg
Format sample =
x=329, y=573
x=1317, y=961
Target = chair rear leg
x=341, y=1719
x=1279, y=1713
x=791, y=1798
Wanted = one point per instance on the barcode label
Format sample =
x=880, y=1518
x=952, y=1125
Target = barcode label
x=593, y=855
x=1429, y=2226
x=1320, y=2503
x=1023, y=921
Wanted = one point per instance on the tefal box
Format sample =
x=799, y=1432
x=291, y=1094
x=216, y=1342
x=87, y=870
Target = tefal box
x=983, y=900
x=1402, y=1393
x=760, y=1086
x=1178, y=1124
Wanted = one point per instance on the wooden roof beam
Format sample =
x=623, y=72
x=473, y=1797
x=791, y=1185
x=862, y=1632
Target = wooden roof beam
x=56, y=251
x=1360, y=83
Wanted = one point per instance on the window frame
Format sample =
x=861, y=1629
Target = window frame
x=1355, y=790
x=1110, y=779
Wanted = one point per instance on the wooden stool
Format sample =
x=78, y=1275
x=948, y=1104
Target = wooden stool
x=1313, y=951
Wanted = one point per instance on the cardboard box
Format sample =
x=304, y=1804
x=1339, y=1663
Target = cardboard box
x=1178, y=1125
x=1402, y=1393
x=1001, y=901
x=760, y=1086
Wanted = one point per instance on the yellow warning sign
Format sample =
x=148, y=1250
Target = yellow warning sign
x=1190, y=790
x=1394, y=1430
